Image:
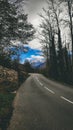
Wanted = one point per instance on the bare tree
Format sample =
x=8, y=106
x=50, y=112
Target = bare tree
x=50, y=30
x=69, y=3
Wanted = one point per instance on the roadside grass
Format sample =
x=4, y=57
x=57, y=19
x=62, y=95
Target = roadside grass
x=5, y=109
x=9, y=85
x=6, y=99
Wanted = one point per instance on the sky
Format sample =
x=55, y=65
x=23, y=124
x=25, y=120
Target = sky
x=33, y=8
x=26, y=53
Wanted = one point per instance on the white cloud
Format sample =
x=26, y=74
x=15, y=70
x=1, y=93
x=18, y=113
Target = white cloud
x=35, y=44
x=35, y=59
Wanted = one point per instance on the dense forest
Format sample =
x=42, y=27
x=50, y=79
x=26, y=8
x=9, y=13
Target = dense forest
x=56, y=46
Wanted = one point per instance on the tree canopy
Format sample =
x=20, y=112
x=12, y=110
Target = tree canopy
x=13, y=25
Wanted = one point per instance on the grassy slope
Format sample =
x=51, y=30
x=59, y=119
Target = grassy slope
x=8, y=88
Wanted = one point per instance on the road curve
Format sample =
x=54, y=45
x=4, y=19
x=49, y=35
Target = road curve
x=42, y=104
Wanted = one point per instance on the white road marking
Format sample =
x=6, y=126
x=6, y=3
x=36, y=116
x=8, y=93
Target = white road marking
x=54, y=92
x=39, y=81
x=41, y=84
x=49, y=90
x=66, y=99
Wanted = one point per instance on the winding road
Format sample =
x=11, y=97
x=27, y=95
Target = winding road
x=42, y=104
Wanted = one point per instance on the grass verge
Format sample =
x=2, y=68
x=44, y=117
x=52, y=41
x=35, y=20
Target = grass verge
x=6, y=109
x=7, y=95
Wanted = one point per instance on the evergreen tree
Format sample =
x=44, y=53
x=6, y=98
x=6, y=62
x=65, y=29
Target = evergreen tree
x=54, y=65
x=13, y=25
x=60, y=55
x=27, y=67
x=25, y=29
x=8, y=22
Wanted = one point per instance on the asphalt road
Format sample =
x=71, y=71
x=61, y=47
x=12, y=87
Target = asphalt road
x=42, y=104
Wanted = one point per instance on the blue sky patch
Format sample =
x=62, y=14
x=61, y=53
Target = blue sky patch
x=26, y=53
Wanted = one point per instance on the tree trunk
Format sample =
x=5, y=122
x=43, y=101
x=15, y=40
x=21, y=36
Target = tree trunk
x=71, y=26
